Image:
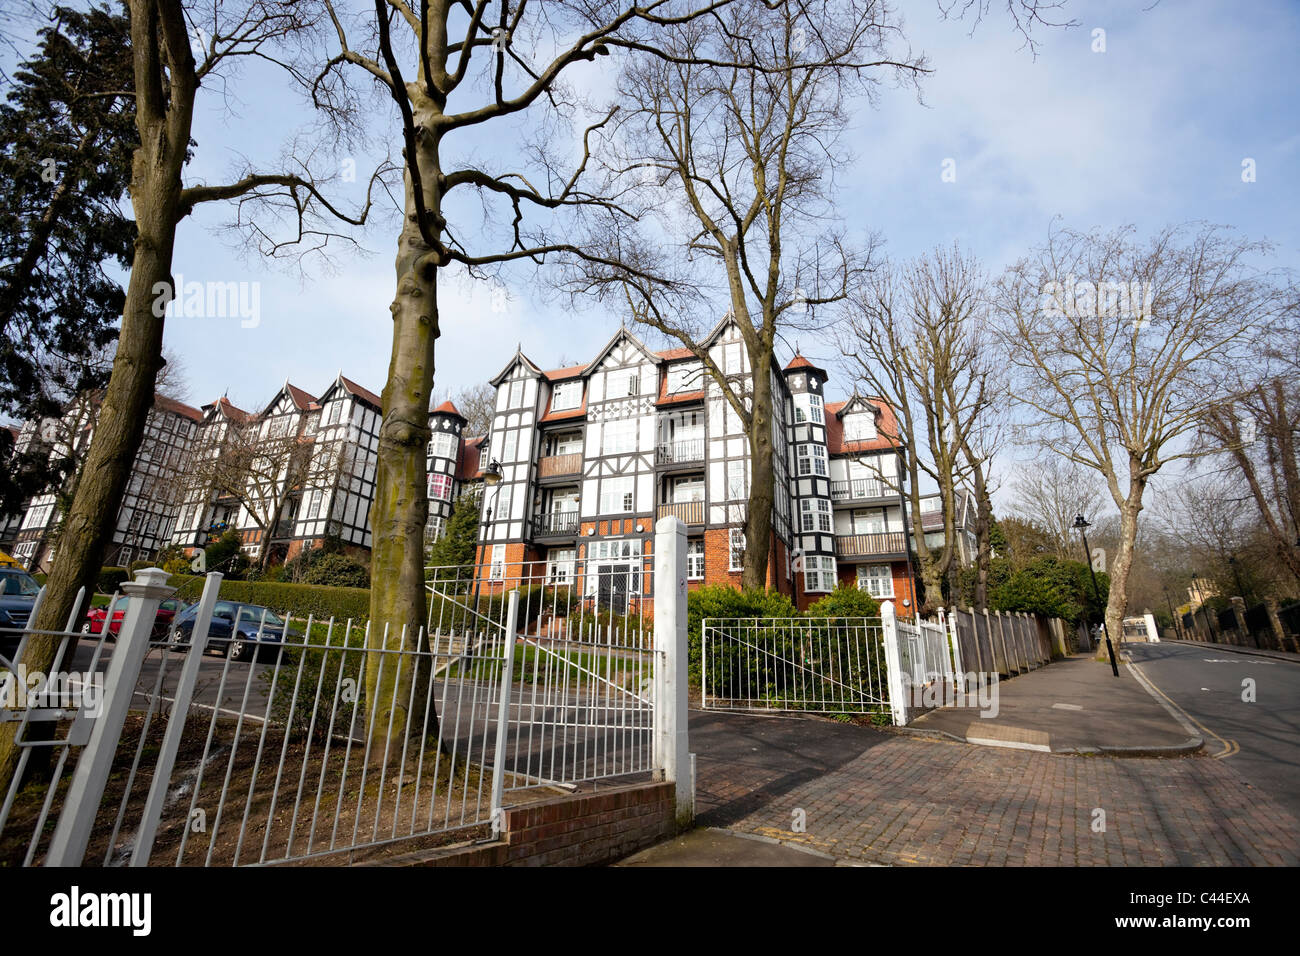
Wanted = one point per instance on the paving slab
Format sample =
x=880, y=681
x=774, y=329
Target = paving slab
x=1075, y=705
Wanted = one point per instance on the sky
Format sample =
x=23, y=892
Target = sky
x=1153, y=130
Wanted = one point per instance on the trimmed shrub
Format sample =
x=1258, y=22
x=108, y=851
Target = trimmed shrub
x=138, y=565
x=297, y=600
x=338, y=570
x=846, y=601
x=721, y=600
x=111, y=578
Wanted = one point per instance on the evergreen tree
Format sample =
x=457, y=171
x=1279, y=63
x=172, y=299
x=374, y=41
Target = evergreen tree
x=456, y=547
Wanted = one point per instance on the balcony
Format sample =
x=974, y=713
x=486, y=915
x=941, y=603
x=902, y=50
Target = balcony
x=557, y=466
x=680, y=452
x=870, y=545
x=859, y=489
x=691, y=512
x=555, y=524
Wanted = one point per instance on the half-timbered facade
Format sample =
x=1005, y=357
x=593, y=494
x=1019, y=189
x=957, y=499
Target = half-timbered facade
x=147, y=514
x=592, y=455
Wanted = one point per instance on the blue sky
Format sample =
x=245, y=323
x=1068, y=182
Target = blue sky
x=1152, y=131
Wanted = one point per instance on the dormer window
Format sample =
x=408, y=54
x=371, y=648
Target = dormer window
x=859, y=426
x=685, y=377
x=566, y=395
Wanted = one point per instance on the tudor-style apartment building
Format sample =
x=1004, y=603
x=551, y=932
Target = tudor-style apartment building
x=148, y=510
x=590, y=456
x=304, y=467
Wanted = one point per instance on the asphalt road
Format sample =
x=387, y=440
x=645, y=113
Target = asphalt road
x=1259, y=739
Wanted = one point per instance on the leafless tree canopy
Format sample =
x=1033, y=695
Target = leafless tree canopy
x=1118, y=346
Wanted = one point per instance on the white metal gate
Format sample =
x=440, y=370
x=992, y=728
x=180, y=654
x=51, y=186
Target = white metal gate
x=813, y=665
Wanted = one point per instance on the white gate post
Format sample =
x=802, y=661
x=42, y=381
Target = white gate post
x=958, y=665
x=503, y=711
x=72, y=833
x=672, y=746
x=893, y=664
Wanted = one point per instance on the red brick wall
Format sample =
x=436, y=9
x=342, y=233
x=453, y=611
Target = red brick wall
x=585, y=830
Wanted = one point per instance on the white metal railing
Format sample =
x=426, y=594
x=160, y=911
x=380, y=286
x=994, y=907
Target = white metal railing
x=815, y=665
x=311, y=740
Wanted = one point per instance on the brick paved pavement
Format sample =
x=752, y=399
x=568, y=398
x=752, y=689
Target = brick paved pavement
x=886, y=798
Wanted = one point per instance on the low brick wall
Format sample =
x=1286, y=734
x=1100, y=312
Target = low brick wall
x=588, y=829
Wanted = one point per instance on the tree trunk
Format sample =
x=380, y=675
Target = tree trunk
x=1117, y=603
x=88, y=525
x=400, y=510
x=762, y=478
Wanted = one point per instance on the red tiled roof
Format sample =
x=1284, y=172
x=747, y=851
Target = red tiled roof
x=447, y=408
x=467, y=468
x=800, y=362
x=300, y=398
x=886, y=430
x=675, y=354
x=557, y=374
x=230, y=410
x=179, y=408
x=360, y=392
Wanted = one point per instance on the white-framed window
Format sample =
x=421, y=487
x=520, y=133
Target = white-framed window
x=731, y=359
x=815, y=409
x=617, y=495
x=442, y=445
x=336, y=410
x=811, y=458
x=434, y=529
x=876, y=579
x=736, y=550
x=559, y=565
x=814, y=514
x=619, y=437
x=501, y=502
x=516, y=393
x=860, y=426
x=685, y=377
x=695, y=559
x=510, y=446
x=498, y=571
x=737, y=475
x=623, y=553
x=622, y=382
x=819, y=574
x=440, y=487
x=566, y=395
x=484, y=456
x=313, y=509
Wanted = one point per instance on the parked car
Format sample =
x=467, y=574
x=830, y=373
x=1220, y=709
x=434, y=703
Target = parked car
x=18, y=591
x=162, y=622
x=237, y=630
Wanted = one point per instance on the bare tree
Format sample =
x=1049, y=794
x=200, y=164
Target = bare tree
x=260, y=463
x=454, y=70
x=1118, y=347
x=1257, y=432
x=1049, y=492
x=736, y=163
x=914, y=336
x=164, y=34
x=477, y=403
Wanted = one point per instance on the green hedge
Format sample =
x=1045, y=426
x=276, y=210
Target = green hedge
x=319, y=600
x=111, y=578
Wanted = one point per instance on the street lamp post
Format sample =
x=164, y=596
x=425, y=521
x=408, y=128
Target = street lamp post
x=1081, y=526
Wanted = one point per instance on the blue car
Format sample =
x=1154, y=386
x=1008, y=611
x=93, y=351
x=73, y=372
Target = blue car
x=237, y=630
x=18, y=591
